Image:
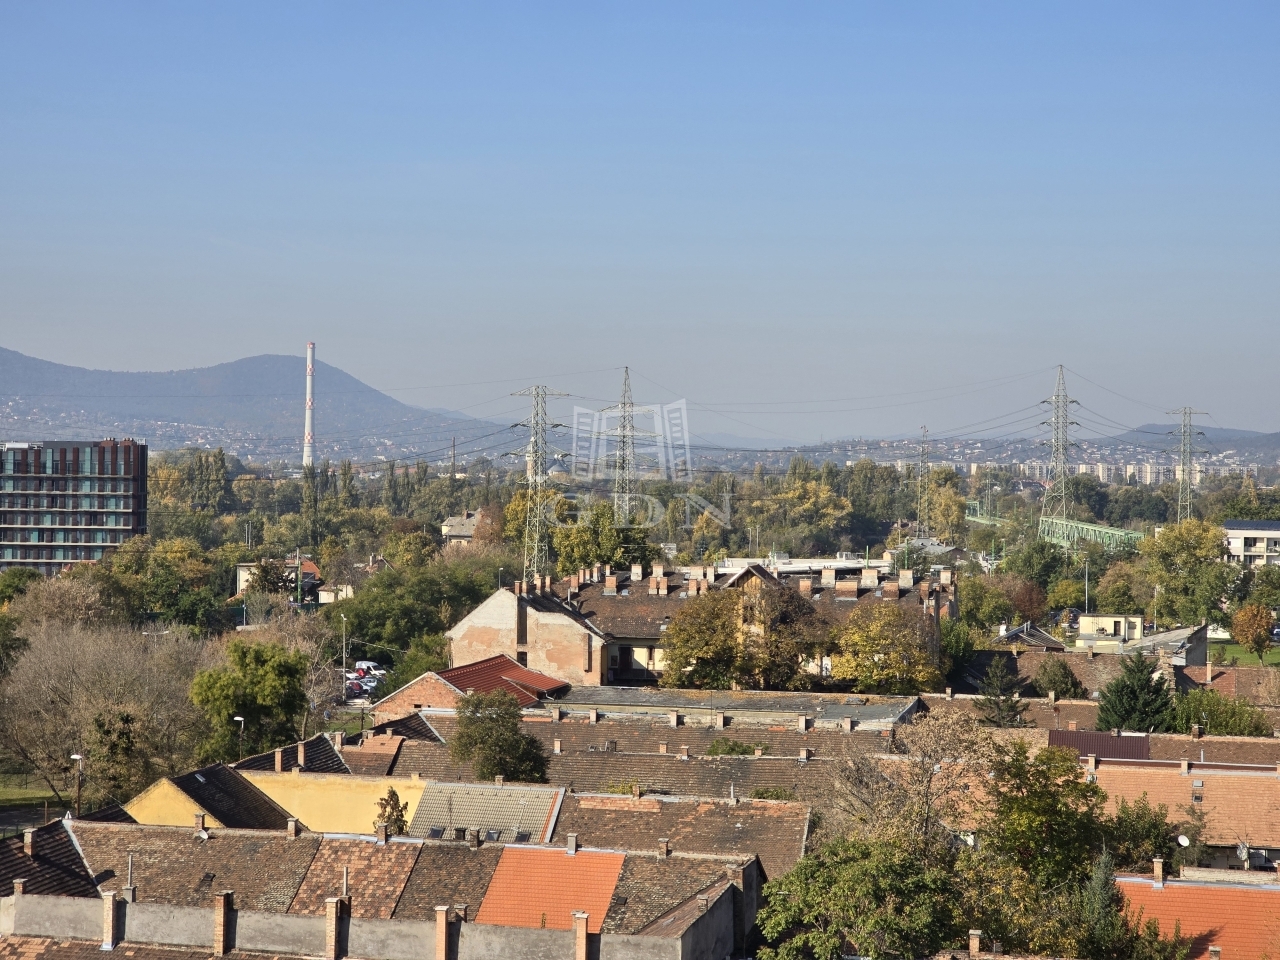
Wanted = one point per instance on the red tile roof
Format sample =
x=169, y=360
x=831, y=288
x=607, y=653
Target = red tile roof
x=537, y=888
x=1241, y=920
x=503, y=673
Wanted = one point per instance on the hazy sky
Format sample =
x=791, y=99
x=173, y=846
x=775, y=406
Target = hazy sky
x=749, y=204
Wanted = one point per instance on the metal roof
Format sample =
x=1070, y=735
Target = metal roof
x=510, y=811
x=1269, y=525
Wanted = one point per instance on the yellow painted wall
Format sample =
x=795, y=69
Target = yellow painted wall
x=163, y=804
x=334, y=803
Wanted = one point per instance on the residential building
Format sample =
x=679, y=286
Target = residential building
x=311, y=578
x=1118, y=626
x=460, y=529
x=1253, y=543
x=64, y=502
x=436, y=691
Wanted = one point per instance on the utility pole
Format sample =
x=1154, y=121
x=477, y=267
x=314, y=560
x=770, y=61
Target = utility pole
x=922, y=487
x=535, y=523
x=1186, y=461
x=1054, y=506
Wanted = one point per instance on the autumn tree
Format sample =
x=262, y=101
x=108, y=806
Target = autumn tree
x=1251, y=628
x=783, y=636
x=488, y=736
x=888, y=647
x=394, y=812
x=1185, y=562
x=703, y=642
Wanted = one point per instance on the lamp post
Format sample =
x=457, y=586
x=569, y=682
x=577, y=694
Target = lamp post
x=241, y=719
x=79, y=780
x=343, y=687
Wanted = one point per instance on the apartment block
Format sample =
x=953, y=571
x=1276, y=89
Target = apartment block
x=69, y=501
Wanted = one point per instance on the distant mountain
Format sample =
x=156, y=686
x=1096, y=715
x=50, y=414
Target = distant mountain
x=252, y=407
x=1144, y=433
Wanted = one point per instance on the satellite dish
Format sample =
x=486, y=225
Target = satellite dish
x=1183, y=841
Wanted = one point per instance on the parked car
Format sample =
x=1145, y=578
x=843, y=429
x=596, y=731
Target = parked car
x=355, y=690
x=370, y=667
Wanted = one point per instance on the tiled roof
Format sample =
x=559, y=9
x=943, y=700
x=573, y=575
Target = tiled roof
x=233, y=800
x=696, y=777
x=374, y=756
x=1259, y=685
x=1040, y=712
x=42, y=948
x=447, y=874
x=111, y=813
x=1239, y=803
x=414, y=726
x=376, y=875
x=503, y=673
x=318, y=753
x=431, y=761
x=56, y=869
x=1093, y=672
x=746, y=704
x=650, y=887
x=502, y=814
x=772, y=830
x=632, y=616
x=1107, y=746
x=1256, y=750
x=644, y=735
x=1244, y=921
x=538, y=888
x=171, y=865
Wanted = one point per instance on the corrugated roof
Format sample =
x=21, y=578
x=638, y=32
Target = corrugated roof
x=1244, y=921
x=1106, y=746
x=502, y=814
x=503, y=673
x=540, y=888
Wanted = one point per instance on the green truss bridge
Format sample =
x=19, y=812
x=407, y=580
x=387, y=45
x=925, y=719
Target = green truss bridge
x=1067, y=533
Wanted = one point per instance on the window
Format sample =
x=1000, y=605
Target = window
x=522, y=836
x=522, y=658
x=435, y=833
x=491, y=835
x=459, y=833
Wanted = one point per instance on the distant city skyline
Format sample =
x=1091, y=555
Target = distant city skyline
x=808, y=221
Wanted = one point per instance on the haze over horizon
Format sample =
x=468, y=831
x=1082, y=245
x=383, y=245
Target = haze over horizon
x=823, y=221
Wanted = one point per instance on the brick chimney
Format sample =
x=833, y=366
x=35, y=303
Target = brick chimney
x=302, y=754
x=637, y=572
x=380, y=834
x=1186, y=765
x=473, y=838
x=1196, y=731
x=759, y=751
x=828, y=577
x=719, y=722
x=199, y=822
x=499, y=780
x=291, y=828
x=802, y=723
x=573, y=844
x=653, y=586
x=611, y=586
x=684, y=753
x=1091, y=762
x=846, y=724
x=279, y=759
x=664, y=847
x=673, y=718
x=975, y=942
x=29, y=841
x=1071, y=725
x=662, y=746
x=805, y=586
x=659, y=570
x=555, y=746
x=1158, y=865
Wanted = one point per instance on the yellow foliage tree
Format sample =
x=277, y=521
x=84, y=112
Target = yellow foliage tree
x=888, y=647
x=1251, y=628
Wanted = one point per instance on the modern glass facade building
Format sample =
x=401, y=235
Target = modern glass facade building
x=67, y=501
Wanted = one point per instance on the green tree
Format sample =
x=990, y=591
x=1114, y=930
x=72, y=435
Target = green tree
x=1000, y=705
x=488, y=736
x=1039, y=561
x=1139, y=832
x=1185, y=562
x=886, y=647
x=983, y=603
x=1264, y=586
x=394, y=813
x=704, y=642
x=1044, y=814
x=1219, y=715
x=261, y=682
x=782, y=636
x=872, y=899
x=1066, y=593
x=597, y=538
x=1056, y=674
x=1251, y=628
x=14, y=581
x=1105, y=930
x=1136, y=699
x=426, y=653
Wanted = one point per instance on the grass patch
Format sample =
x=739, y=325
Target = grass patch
x=1246, y=657
x=23, y=790
x=728, y=747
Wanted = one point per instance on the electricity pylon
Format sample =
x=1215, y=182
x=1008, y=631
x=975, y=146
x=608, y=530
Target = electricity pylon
x=1054, y=505
x=624, y=463
x=922, y=487
x=1186, y=461
x=536, y=551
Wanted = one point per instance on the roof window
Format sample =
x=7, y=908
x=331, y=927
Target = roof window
x=491, y=835
x=435, y=833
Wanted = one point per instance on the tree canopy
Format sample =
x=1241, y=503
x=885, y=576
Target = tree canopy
x=488, y=736
x=1137, y=699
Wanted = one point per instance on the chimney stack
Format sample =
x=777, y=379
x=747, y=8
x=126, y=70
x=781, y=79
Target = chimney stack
x=555, y=746
x=302, y=754
x=1091, y=762
x=684, y=753
x=380, y=834
x=1158, y=865
x=308, y=433
x=573, y=844
x=1071, y=725
x=662, y=746
x=199, y=822
x=610, y=586
x=664, y=847
x=659, y=570
x=473, y=838
x=279, y=759
x=291, y=828
x=637, y=572
x=664, y=586
x=29, y=842
x=975, y=942
x=805, y=584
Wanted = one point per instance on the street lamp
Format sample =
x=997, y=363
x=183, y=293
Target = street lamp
x=343, y=681
x=79, y=780
x=241, y=719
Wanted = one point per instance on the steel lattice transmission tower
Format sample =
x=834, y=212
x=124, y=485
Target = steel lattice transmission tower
x=624, y=460
x=922, y=487
x=536, y=553
x=1186, y=461
x=1054, y=506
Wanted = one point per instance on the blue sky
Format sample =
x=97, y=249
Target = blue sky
x=749, y=204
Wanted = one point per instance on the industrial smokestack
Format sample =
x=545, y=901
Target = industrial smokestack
x=308, y=436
